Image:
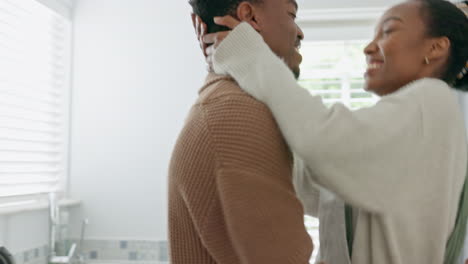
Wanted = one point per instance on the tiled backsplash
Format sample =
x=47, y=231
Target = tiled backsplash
x=125, y=250
x=32, y=256
x=105, y=251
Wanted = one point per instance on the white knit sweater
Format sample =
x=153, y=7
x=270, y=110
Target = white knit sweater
x=401, y=162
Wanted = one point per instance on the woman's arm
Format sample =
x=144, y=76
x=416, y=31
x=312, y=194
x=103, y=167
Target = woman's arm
x=362, y=156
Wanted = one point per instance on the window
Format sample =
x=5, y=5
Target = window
x=34, y=99
x=312, y=225
x=334, y=70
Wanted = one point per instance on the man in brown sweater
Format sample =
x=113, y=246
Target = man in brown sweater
x=231, y=197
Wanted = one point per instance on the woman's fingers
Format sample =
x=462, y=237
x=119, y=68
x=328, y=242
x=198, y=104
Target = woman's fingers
x=194, y=22
x=209, y=57
x=199, y=21
x=227, y=21
x=210, y=51
x=210, y=38
x=212, y=41
x=215, y=38
x=209, y=42
x=202, y=29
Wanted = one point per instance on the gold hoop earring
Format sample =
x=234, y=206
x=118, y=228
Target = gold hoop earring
x=426, y=60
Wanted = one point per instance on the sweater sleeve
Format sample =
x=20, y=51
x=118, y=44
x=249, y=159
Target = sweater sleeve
x=263, y=216
x=362, y=156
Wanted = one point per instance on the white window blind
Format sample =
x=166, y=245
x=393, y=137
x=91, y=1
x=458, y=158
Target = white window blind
x=34, y=98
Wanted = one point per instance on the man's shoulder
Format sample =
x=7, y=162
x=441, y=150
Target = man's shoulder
x=225, y=97
x=223, y=90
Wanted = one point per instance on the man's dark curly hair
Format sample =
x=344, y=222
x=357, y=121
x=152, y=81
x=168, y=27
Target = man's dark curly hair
x=207, y=9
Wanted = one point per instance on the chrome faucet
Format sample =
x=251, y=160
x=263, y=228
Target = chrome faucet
x=53, y=222
x=63, y=259
x=80, y=255
x=54, y=225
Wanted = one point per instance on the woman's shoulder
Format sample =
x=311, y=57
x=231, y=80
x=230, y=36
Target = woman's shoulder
x=426, y=86
x=424, y=91
x=437, y=102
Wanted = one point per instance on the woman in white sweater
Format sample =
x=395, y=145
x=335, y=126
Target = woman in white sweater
x=401, y=164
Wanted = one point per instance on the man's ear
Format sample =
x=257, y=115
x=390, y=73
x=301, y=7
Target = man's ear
x=248, y=12
x=440, y=48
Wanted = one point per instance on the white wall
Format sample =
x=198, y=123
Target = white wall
x=137, y=70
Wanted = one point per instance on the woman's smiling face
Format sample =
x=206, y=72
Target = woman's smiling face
x=396, y=55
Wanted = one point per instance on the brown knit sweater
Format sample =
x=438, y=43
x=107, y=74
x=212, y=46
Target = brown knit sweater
x=231, y=198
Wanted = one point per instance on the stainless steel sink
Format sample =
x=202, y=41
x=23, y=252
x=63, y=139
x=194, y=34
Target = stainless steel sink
x=6, y=257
